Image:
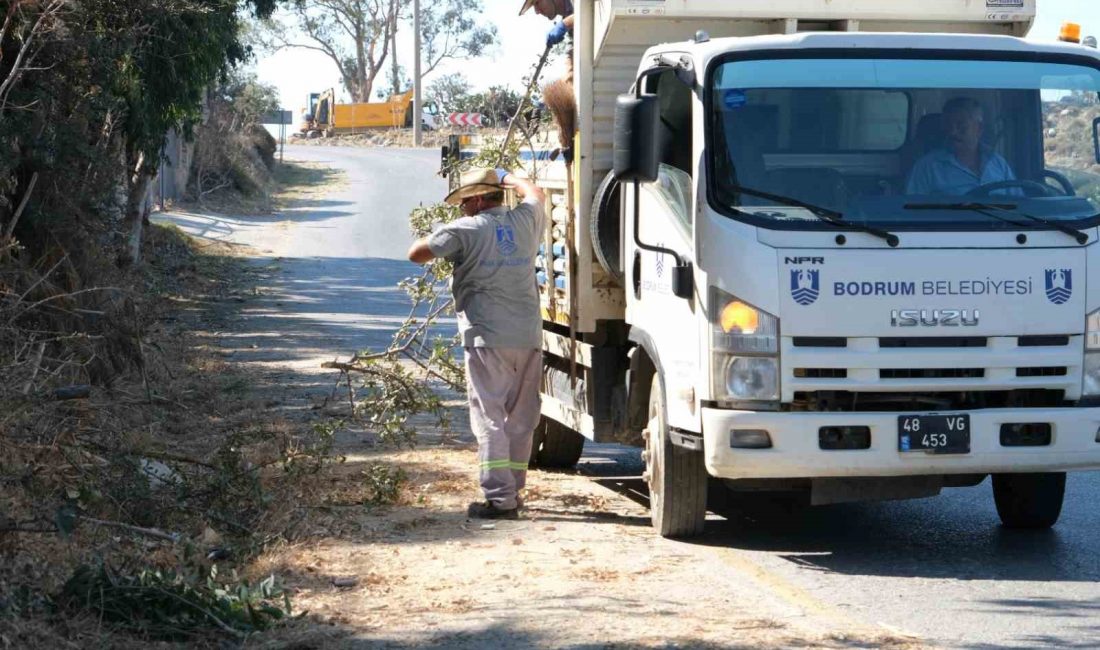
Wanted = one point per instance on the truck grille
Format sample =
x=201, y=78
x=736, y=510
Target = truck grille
x=1042, y=371
x=932, y=370
x=930, y=373
x=893, y=342
x=821, y=373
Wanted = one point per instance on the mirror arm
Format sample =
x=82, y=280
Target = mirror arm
x=682, y=285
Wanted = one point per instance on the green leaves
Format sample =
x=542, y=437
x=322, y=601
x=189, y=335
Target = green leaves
x=175, y=605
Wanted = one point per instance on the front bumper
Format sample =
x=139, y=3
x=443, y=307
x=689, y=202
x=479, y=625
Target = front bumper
x=796, y=453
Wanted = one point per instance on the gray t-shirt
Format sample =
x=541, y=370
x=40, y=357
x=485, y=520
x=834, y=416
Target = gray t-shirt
x=496, y=300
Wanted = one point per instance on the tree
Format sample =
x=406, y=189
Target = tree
x=118, y=74
x=499, y=103
x=354, y=34
x=162, y=89
x=449, y=92
x=360, y=36
x=453, y=29
x=395, y=85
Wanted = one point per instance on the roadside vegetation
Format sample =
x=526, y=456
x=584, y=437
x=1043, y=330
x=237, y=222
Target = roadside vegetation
x=141, y=473
x=137, y=472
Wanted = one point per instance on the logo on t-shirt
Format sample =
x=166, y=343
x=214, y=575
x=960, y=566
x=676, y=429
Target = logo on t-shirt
x=506, y=240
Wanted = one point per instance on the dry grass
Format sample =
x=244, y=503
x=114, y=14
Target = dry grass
x=176, y=447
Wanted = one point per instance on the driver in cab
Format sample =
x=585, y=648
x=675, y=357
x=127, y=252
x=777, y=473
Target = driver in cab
x=964, y=164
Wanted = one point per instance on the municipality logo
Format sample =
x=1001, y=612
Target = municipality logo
x=506, y=240
x=1059, y=283
x=805, y=286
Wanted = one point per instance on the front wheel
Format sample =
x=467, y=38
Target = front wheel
x=1029, y=500
x=676, y=476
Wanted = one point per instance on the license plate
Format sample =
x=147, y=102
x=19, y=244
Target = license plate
x=937, y=434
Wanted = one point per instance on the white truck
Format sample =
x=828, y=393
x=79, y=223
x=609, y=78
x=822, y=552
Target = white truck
x=756, y=286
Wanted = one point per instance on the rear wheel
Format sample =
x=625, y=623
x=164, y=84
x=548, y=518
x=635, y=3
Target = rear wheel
x=676, y=476
x=556, y=446
x=1029, y=500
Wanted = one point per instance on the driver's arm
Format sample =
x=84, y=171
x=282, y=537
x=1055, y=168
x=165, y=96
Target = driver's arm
x=1004, y=173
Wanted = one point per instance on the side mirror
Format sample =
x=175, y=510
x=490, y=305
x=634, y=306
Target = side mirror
x=1096, y=139
x=683, y=284
x=637, y=143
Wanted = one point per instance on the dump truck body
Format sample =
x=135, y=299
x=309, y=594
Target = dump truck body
x=326, y=117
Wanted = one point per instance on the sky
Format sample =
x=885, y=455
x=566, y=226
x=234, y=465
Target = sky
x=297, y=72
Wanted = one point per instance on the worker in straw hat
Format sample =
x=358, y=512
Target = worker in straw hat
x=493, y=250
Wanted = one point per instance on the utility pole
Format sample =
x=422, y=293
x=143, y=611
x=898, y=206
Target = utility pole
x=418, y=104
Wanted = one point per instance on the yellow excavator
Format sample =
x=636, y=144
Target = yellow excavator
x=325, y=118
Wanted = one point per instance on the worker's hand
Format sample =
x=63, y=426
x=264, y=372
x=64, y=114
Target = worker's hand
x=501, y=173
x=557, y=33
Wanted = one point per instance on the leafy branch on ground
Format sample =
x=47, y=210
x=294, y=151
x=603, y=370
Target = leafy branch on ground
x=175, y=605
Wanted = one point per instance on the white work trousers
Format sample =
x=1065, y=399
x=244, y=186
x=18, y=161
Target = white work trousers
x=503, y=385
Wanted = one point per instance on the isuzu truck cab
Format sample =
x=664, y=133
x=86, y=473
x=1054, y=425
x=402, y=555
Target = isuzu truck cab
x=847, y=248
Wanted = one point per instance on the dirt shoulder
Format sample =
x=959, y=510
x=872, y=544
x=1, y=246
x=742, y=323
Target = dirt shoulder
x=581, y=568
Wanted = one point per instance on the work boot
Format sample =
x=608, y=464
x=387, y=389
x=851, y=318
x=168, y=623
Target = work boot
x=489, y=510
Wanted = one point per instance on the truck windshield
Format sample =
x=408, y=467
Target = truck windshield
x=870, y=138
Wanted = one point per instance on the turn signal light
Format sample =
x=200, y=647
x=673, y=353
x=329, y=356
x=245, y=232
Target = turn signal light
x=740, y=317
x=1071, y=33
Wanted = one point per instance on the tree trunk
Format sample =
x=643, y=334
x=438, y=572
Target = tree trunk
x=393, y=49
x=137, y=206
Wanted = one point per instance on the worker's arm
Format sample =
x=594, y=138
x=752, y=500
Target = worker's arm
x=558, y=31
x=420, y=252
x=524, y=187
x=447, y=242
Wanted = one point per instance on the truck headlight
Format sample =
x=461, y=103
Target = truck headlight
x=745, y=344
x=750, y=378
x=1091, y=383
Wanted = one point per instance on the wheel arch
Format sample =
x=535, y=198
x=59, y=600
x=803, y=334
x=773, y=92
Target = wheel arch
x=645, y=362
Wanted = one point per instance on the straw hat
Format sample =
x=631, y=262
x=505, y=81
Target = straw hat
x=473, y=183
x=527, y=4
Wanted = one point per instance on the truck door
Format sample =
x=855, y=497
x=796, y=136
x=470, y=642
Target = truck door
x=667, y=206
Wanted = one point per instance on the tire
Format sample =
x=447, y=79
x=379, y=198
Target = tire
x=536, y=443
x=677, y=477
x=604, y=227
x=1029, y=500
x=561, y=447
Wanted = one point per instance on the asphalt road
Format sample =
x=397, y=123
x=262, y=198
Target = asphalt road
x=942, y=569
